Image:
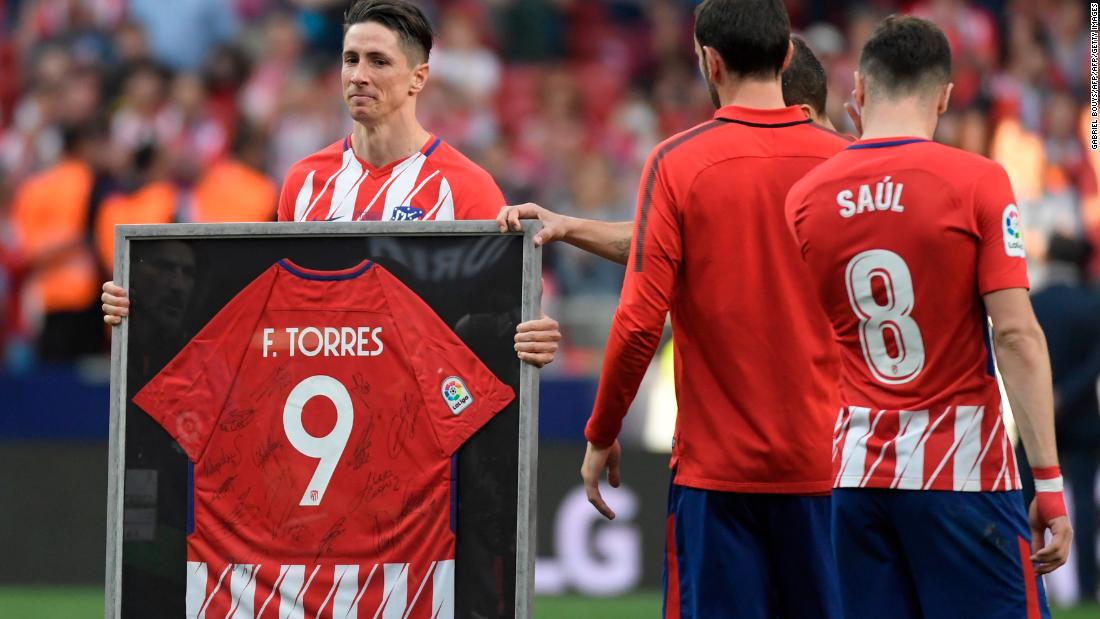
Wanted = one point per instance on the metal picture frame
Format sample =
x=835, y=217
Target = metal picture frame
x=529, y=378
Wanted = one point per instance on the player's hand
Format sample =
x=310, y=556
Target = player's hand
x=537, y=341
x=554, y=226
x=1049, y=556
x=596, y=460
x=854, y=114
x=116, y=303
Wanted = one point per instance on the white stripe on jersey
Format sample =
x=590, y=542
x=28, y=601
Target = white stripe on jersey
x=908, y=447
x=352, y=612
x=444, y=209
x=443, y=590
x=854, y=456
x=384, y=189
x=196, y=588
x=210, y=598
x=915, y=480
x=340, y=584
x=346, y=583
x=396, y=596
x=346, y=188
x=839, y=428
x=242, y=589
x=408, y=199
x=963, y=434
x=882, y=452
x=302, y=201
x=403, y=179
x=283, y=571
x=419, y=590
x=324, y=188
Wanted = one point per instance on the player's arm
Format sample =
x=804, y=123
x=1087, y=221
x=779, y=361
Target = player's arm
x=1021, y=351
x=606, y=239
x=635, y=332
x=1025, y=366
x=536, y=341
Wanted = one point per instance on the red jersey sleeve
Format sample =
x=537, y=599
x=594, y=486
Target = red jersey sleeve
x=187, y=398
x=652, y=270
x=795, y=215
x=460, y=393
x=481, y=199
x=1001, y=260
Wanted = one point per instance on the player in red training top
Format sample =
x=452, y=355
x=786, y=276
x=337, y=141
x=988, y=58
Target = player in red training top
x=321, y=411
x=390, y=167
x=911, y=245
x=749, y=506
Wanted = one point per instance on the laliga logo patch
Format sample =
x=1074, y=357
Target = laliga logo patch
x=456, y=395
x=1014, y=240
x=407, y=213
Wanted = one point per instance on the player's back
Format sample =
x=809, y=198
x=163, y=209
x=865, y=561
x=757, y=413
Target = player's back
x=903, y=237
x=754, y=354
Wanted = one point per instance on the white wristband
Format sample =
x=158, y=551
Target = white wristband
x=1049, y=485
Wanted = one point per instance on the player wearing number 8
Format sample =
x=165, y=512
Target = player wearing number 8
x=911, y=246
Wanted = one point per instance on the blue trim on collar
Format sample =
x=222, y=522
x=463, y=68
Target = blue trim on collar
x=431, y=149
x=886, y=144
x=347, y=142
x=326, y=277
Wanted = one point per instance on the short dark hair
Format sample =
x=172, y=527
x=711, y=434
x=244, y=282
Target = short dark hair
x=906, y=55
x=751, y=36
x=804, y=80
x=405, y=19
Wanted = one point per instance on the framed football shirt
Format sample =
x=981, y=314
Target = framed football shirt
x=322, y=420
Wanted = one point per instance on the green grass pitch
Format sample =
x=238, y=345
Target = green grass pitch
x=86, y=603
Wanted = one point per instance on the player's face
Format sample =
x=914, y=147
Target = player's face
x=377, y=76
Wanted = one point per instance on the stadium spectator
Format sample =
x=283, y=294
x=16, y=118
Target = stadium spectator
x=180, y=32
x=150, y=197
x=910, y=245
x=52, y=227
x=234, y=188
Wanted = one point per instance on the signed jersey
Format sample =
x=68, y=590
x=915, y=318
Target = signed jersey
x=435, y=183
x=903, y=237
x=321, y=410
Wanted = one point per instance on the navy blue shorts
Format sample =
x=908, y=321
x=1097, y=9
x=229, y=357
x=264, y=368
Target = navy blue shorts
x=748, y=556
x=920, y=554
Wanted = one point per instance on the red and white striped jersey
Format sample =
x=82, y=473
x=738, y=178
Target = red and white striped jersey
x=436, y=183
x=948, y=448
x=902, y=238
x=326, y=590
x=321, y=411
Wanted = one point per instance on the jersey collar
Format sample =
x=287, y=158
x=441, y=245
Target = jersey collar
x=426, y=151
x=770, y=119
x=886, y=142
x=325, y=276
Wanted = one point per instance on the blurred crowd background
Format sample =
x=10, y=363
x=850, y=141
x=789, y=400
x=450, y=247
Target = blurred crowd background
x=144, y=111
x=157, y=111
